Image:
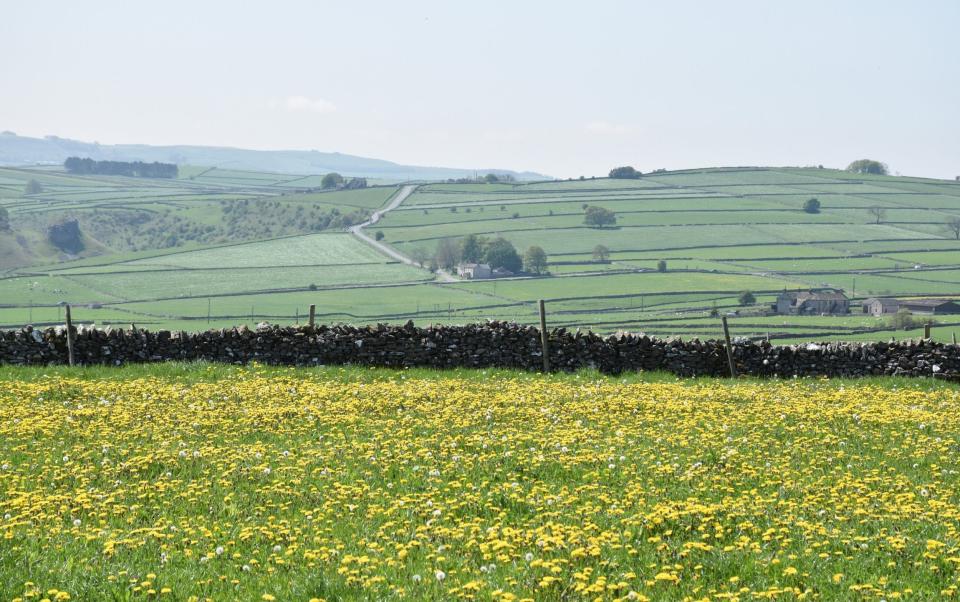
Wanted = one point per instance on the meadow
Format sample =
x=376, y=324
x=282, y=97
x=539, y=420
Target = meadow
x=186, y=482
x=248, y=250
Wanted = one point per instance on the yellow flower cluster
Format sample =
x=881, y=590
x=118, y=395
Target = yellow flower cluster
x=330, y=485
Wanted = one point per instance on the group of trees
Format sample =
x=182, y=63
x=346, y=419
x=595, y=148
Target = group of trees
x=137, y=169
x=497, y=253
x=331, y=180
x=868, y=166
x=625, y=173
x=335, y=180
x=490, y=178
x=598, y=217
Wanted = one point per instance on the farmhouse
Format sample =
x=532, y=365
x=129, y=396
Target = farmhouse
x=930, y=306
x=877, y=306
x=474, y=271
x=812, y=302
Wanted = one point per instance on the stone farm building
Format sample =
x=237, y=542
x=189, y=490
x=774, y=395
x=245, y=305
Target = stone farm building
x=878, y=306
x=813, y=302
x=474, y=271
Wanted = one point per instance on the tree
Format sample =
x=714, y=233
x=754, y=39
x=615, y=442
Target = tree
x=448, y=253
x=661, y=266
x=625, y=173
x=953, y=227
x=868, y=166
x=33, y=187
x=419, y=255
x=471, y=250
x=535, y=260
x=599, y=217
x=378, y=235
x=491, y=178
x=601, y=253
x=746, y=298
x=331, y=180
x=811, y=205
x=878, y=213
x=500, y=253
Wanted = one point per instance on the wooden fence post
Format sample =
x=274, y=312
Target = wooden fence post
x=954, y=333
x=69, y=337
x=926, y=330
x=543, y=337
x=726, y=336
x=313, y=313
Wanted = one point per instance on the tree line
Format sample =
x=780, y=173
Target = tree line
x=136, y=169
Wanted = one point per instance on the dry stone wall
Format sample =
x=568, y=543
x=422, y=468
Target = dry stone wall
x=487, y=345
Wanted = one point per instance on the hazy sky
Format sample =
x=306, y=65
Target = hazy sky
x=563, y=88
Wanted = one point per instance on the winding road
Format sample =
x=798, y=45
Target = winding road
x=387, y=250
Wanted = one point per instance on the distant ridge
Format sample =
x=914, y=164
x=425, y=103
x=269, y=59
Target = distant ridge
x=22, y=150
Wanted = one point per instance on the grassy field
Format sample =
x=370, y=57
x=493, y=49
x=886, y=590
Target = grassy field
x=242, y=246
x=187, y=482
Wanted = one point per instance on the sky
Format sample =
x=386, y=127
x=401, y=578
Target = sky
x=561, y=88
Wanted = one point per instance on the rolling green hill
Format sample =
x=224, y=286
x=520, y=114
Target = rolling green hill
x=243, y=247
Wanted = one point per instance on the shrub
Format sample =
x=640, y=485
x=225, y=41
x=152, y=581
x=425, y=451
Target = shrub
x=811, y=205
x=902, y=320
x=746, y=298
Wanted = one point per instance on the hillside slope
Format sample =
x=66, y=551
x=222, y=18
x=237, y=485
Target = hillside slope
x=20, y=150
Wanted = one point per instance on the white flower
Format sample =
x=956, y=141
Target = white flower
x=219, y=550
x=183, y=453
x=245, y=568
x=196, y=453
x=528, y=557
x=277, y=548
x=76, y=522
x=440, y=575
x=266, y=470
x=417, y=578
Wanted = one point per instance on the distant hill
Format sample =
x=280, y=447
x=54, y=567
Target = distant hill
x=21, y=150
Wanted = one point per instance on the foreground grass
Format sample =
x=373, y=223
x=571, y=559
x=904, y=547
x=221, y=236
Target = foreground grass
x=179, y=481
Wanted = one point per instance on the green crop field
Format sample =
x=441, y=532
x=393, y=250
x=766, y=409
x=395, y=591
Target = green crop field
x=220, y=247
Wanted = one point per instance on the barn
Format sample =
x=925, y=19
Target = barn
x=935, y=307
